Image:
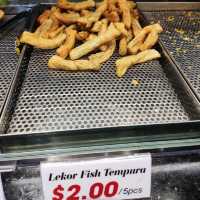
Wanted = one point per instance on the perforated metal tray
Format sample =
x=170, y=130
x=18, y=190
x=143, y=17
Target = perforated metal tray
x=8, y=58
x=57, y=101
x=182, y=39
x=12, y=13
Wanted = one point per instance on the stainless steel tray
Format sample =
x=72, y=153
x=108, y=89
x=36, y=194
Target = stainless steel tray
x=12, y=13
x=182, y=39
x=51, y=105
x=8, y=58
x=52, y=101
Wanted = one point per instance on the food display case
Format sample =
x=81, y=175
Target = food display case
x=53, y=116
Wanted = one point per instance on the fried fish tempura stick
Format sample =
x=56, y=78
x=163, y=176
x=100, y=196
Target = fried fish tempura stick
x=126, y=14
x=56, y=32
x=135, y=13
x=55, y=25
x=95, y=16
x=121, y=27
x=150, y=41
x=63, y=50
x=130, y=35
x=77, y=6
x=131, y=4
x=123, y=46
x=134, y=50
x=102, y=57
x=103, y=29
x=72, y=26
x=91, y=36
x=56, y=62
x=97, y=26
x=140, y=37
x=85, y=13
x=92, y=44
x=44, y=16
x=112, y=5
x=82, y=35
x=42, y=43
x=44, y=28
x=2, y=14
x=136, y=27
x=112, y=16
x=124, y=63
x=71, y=18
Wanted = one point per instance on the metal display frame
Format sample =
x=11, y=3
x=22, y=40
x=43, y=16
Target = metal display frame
x=169, y=140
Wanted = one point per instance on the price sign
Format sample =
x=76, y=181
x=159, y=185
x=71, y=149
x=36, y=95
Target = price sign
x=110, y=179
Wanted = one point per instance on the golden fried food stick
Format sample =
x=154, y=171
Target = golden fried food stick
x=2, y=14
x=136, y=27
x=123, y=46
x=91, y=36
x=102, y=57
x=63, y=50
x=130, y=35
x=96, y=27
x=82, y=35
x=124, y=63
x=85, y=13
x=140, y=37
x=55, y=9
x=42, y=43
x=112, y=16
x=43, y=29
x=112, y=6
x=134, y=45
x=126, y=14
x=152, y=38
x=44, y=16
x=56, y=23
x=150, y=41
x=121, y=27
x=57, y=62
x=104, y=26
x=134, y=50
x=92, y=44
x=72, y=26
x=56, y=32
x=68, y=18
x=95, y=16
x=131, y=4
x=77, y=6
x=135, y=13
x=103, y=29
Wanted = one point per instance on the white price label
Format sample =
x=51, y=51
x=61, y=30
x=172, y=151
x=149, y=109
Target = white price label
x=111, y=179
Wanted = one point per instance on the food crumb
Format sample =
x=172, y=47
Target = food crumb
x=186, y=38
x=189, y=14
x=135, y=82
x=17, y=42
x=198, y=45
x=17, y=51
x=170, y=18
x=178, y=50
x=197, y=33
x=181, y=31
